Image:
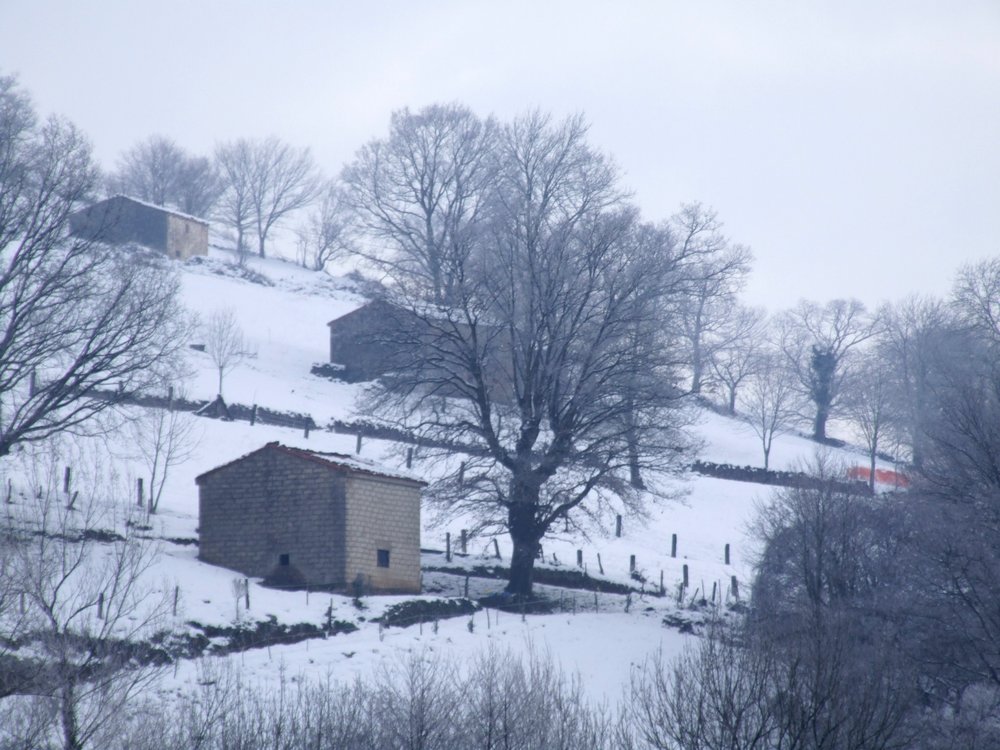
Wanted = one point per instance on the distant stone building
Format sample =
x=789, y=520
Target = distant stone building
x=382, y=340
x=121, y=219
x=303, y=518
x=367, y=343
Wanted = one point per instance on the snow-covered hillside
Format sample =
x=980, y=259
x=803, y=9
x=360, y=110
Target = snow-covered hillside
x=285, y=323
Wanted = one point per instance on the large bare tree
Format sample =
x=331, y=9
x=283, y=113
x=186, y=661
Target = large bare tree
x=740, y=355
x=717, y=271
x=419, y=195
x=919, y=335
x=161, y=172
x=266, y=180
x=767, y=401
x=76, y=316
x=870, y=404
x=235, y=206
x=326, y=234
x=817, y=342
x=552, y=362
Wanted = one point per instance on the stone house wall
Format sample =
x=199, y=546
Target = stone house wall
x=362, y=342
x=186, y=238
x=381, y=515
x=272, y=504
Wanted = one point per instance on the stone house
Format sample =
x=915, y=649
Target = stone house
x=303, y=518
x=380, y=338
x=367, y=343
x=120, y=220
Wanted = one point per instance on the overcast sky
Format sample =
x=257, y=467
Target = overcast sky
x=855, y=146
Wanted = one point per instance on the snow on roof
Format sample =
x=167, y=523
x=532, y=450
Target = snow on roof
x=165, y=209
x=352, y=464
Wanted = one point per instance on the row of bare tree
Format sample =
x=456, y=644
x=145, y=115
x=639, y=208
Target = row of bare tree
x=871, y=371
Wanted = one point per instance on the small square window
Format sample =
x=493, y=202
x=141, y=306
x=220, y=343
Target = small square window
x=383, y=558
x=283, y=560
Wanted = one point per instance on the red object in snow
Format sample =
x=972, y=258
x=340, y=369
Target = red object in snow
x=882, y=476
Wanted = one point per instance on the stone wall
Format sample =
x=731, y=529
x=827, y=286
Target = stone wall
x=272, y=504
x=383, y=514
x=119, y=220
x=185, y=237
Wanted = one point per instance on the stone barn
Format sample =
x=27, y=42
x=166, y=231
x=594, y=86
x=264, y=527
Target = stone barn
x=382, y=340
x=121, y=220
x=370, y=341
x=303, y=518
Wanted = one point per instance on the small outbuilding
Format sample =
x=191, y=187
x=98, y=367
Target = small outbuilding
x=120, y=220
x=369, y=342
x=304, y=518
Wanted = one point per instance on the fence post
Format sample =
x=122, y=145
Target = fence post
x=579, y=558
x=170, y=398
x=673, y=545
x=246, y=592
x=600, y=567
x=631, y=563
x=253, y=415
x=736, y=588
x=685, y=571
x=305, y=426
x=467, y=587
x=662, y=590
x=618, y=526
x=66, y=478
x=496, y=548
x=138, y=492
x=727, y=554
x=177, y=595
x=409, y=458
x=357, y=446
x=100, y=606
x=447, y=546
x=465, y=540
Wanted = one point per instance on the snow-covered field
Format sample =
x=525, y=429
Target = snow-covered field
x=286, y=327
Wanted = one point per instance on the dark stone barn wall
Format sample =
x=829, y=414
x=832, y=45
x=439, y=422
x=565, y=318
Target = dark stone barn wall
x=118, y=220
x=272, y=504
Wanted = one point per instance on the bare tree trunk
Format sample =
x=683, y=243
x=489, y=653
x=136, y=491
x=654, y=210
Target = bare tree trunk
x=697, y=367
x=525, y=536
x=71, y=734
x=634, y=473
x=871, y=476
x=522, y=566
x=819, y=423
